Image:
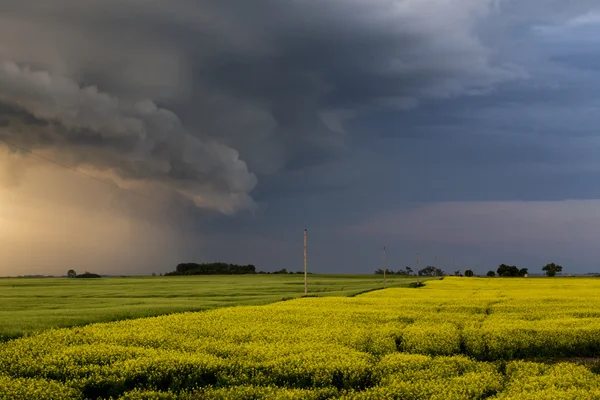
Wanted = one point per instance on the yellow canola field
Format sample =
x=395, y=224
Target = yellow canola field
x=458, y=338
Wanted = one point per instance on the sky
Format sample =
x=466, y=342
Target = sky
x=464, y=131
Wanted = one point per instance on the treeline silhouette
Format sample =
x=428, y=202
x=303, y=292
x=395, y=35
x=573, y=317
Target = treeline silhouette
x=88, y=275
x=72, y=274
x=212, y=269
x=220, y=268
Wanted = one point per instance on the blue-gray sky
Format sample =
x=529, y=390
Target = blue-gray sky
x=464, y=130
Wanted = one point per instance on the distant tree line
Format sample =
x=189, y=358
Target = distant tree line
x=72, y=274
x=283, y=271
x=220, y=268
x=430, y=270
x=511, y=271
x=405, y=271
x=503, y=270
x=217, y=268
x=427, y=271
x=468, y=273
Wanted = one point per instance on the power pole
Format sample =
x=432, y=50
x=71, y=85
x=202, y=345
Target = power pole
x=384, y=268
x=417, y=268
x=305, y=277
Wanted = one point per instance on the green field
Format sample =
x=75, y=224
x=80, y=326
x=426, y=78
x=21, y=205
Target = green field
x=29, y=304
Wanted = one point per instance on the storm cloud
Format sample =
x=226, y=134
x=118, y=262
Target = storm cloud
x=312, y=113
x=274, y=80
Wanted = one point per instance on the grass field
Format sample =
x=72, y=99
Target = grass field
x=29, y=304
x=457, y=338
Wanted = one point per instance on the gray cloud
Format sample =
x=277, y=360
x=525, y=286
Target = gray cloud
x=138, y=142
x=319, y=112
x=274, y=80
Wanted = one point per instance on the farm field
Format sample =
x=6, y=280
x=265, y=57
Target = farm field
x=28, y=304
x=458, y=338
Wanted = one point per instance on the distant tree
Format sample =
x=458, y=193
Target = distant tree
x=409, y=270
x=88, y=275
x=217, y=268
x=457, y=272
x=507, y=270
x=71, y=273
x=281, y=271
x=491, y=273
x=379, y=271
x=469, y=273
x=154, y=274
x=552, y=269
x=523, y=271
x=431, y=271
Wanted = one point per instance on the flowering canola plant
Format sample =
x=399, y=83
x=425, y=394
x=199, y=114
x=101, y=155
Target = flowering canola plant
x=458, y=338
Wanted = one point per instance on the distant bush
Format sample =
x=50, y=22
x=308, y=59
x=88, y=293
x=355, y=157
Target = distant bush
x=469, y=273
x=88, y=275
x=405, y=271
x=552, y=269
x=523, y=271
x=212, y=269
x=507, y=270
x=224, y=269
x=430, y=270
x=491, y=273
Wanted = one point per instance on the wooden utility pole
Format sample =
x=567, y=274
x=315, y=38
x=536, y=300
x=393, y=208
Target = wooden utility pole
x=305, y=277
x=384, y=268
x=417, y=271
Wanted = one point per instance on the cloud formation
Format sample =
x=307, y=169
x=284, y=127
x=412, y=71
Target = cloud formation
x=276, y=85
x=138, y=142
x=314, y=113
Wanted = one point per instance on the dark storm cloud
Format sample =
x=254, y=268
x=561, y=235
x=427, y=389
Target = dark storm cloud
x=320, y=65
x=139, y=141
x=320, y=112
x=275, y=81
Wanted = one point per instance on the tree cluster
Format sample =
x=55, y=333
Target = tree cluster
x=510, y=270
x=212, y=269
x=468, y=273
x=431, y=271
x=72, y=274
x=427, y=271
x=405, y=271
x=552, y=269
x=284, y=271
